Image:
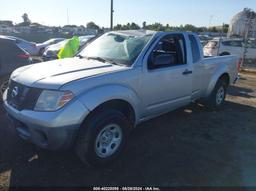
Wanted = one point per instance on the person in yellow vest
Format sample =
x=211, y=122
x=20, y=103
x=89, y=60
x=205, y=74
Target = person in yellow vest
x=70, y=48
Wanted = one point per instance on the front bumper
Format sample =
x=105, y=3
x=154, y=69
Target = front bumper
x=50, y=130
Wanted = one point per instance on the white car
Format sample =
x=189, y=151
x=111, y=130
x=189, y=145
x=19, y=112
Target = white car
x=42, y=46
x=230, y=46
x=51, y=52
x=84, y=39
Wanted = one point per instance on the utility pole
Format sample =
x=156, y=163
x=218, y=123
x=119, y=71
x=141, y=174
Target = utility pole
x=67, y=17
x=246, y=36
x=210, y=20
x=111, y=15
x=220, y=40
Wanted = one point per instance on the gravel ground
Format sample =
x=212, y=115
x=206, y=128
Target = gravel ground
x=188, y=147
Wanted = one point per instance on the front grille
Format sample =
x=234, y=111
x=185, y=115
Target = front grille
x=22, y=97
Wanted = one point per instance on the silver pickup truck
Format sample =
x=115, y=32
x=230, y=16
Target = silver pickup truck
x=121, y=79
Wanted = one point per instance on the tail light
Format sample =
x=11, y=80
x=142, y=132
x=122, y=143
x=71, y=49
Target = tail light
x=24, y=56
x=239, y=63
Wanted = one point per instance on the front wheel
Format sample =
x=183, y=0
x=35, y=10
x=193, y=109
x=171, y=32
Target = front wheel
x=218, y=95
x=102, y=137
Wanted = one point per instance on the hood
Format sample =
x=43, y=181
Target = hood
x=54, y=74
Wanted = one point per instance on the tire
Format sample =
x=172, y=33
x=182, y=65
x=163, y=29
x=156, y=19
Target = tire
x=218, y=95
x=3, y=85
x=107, y=128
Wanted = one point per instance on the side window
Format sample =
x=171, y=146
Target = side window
x=169, y=51
x=235, y=43
x=195, y=49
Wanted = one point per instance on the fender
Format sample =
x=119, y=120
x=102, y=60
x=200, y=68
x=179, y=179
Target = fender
x=217, y=74
x=99, y=95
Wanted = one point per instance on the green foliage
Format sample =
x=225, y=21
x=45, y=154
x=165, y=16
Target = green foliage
x=128, y=26
x=25, y=18
x=160, y=27
x=92, y=25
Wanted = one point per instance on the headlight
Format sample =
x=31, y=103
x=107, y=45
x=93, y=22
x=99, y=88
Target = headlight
x=53, y=100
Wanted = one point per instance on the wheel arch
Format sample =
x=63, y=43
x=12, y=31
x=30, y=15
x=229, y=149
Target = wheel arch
x=113, y=96
x=222, y=74
x=118, y=104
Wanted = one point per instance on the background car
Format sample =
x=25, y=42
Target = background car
x=30, y=47
x=11, y=58
x=230, y=46
x=51, y=52
x=84, y=39
x=204, y=39
x=42, y=46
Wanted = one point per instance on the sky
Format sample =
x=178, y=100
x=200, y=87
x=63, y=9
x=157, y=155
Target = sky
x=173, y=12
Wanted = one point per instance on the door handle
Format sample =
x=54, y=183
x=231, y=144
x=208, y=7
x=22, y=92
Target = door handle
x=186, y=72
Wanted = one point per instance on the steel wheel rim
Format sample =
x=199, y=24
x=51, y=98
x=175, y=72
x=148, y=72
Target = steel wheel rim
x=220, y=95
x=4, y=86
x=108, y=140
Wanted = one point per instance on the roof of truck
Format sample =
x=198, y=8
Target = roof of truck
x=135, y=32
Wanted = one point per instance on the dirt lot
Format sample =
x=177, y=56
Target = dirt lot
x=191, y=146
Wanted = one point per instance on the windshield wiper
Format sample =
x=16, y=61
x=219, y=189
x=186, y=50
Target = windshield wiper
x=104, y=60
x=80, y=56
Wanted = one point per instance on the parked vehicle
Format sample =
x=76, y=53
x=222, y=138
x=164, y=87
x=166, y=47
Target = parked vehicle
x=84, y=39
x=51, y=52
x=30, y=47
x=42, y=46
x=119, y=80
x=11, y=58
x=204, y=39
x=230, y=47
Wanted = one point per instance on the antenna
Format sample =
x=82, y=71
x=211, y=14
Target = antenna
x=67, y=17
x=111, y=15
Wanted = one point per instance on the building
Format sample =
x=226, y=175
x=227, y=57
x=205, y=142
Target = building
x=242, y=23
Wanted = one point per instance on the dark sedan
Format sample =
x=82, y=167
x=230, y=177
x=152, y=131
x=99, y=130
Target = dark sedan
x=11, y=58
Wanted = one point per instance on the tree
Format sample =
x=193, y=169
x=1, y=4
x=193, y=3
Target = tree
x=128, y=26
x=118, y=27
x=92, y=25
x=144, y=25
x=134, y=26
x=25, y=18
x=189, y=27
x=225, y=28
x=212, y=29
x=156, y=27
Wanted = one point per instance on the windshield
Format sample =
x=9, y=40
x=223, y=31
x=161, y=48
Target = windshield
x=119, y=48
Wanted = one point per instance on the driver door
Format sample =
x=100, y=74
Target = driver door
x=167, y=76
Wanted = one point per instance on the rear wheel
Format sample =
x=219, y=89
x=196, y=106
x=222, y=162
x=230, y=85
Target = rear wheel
x=102, y=137
x=218, y=95
x=3, y=86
